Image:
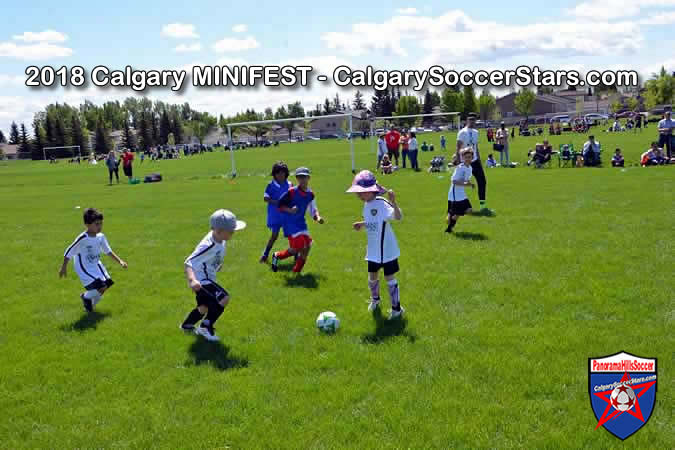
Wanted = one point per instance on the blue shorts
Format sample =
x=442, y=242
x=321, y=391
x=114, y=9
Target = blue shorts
x=274, y=227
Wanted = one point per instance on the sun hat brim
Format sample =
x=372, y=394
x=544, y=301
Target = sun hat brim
x=355, y=188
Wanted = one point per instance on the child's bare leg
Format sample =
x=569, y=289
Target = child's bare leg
x=270, y=244
x=302, y=258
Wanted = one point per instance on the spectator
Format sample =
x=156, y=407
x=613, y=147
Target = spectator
x=638, y=121
x=503, y=140
x=666, y=126
x=381, y=150
x=617, y=159
x=412, y=145
x=404, y=147
x=127, y=158
x=648, y=158
x=616, y=126
x=591, y=152
x=659, y=157
x=386, y=165
x=393, y=138
x=443, y=142
x=113, y=166
x=425, y=147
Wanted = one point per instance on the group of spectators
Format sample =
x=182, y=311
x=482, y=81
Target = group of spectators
x=113, y=165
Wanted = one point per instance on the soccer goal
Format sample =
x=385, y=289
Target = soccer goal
x=68, y=151
x=393, y=119
x=265, y=129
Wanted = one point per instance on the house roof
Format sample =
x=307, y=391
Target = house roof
x=9, y=149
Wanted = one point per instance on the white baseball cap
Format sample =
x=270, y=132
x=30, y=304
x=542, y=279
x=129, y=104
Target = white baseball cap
x=226, y=220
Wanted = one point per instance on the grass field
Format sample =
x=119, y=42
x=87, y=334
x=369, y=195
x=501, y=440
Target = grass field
x=501, y=317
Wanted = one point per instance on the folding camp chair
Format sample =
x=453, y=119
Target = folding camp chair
x=566, y=156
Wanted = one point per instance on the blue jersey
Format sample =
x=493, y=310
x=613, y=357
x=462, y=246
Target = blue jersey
x=295, y=224
x=274, y=191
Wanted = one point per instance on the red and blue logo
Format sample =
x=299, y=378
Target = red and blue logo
x=622, y=388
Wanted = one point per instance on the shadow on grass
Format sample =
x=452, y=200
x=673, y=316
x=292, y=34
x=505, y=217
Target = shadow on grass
x=386, y=329
x=478, y=213
x=306, y=280
x=469, y=236
x=215, y=354
x=88, y=321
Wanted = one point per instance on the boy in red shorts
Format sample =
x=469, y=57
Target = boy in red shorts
x=293, y=204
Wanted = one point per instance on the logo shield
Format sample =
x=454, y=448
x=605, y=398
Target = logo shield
x=622, y=389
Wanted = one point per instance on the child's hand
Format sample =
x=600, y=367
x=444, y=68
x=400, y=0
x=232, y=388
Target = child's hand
x=294, y=210
x=391, y=195
x=195, y=285
x=357, y=225
x=62, y=272
x=123, y=264
x=320, y=220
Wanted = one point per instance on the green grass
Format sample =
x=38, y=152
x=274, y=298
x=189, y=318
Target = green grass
x=493, y=352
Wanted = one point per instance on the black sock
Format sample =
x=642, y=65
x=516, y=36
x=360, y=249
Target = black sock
x=266, y=253
x=192, y=318
x=451, y=225
x=214, y=313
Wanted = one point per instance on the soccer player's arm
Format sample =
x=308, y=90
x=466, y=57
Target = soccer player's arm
x=391, y=209
x=71, y=251
x=268, y=198
x=314, y=211
x=285, y=203
x=108, y=251
x=197, y=257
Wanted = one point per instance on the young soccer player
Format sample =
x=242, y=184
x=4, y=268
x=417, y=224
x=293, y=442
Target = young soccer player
x=382, y=251
x=273, y=192
x=200, y=270
x=458, y=202
x=86, y=250
x=293, y=204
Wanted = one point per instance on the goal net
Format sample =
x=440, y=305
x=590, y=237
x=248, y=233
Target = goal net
x=64, y=152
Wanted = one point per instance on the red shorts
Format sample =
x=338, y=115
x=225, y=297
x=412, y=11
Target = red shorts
x=299, y=242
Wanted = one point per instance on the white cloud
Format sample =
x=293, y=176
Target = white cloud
x=455, y=37
x=236, y=45
x=179, y=30
x=39, y=51
x=613, y=9
x=666, y=18
x=407, y=11
x=43, y=36
x=231, y=62
x=185, y=48
x=11, y=80
x=241, y=28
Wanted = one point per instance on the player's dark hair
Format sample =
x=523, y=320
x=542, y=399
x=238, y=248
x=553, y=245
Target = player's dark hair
x=91, y=215
x=279, y=167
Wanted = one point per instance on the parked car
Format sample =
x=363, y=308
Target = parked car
x=560, y=118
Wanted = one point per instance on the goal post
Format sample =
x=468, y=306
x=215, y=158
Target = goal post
x=230, y=126
x=58, y=152
x=410, y=116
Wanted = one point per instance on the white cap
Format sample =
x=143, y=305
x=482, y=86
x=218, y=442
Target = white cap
x=226, y=220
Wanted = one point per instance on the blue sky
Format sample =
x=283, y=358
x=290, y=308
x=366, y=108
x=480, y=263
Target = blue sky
x=583, y=35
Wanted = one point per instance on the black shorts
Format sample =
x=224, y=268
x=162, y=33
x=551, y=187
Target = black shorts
x=128, y=171
x=99, y=284
x=459, y=208
x=390, y=267
x=210, y=292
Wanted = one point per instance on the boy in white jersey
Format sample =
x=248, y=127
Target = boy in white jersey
x=200, y=270
x=86, y=250
x=458, y=202
x=382, y=251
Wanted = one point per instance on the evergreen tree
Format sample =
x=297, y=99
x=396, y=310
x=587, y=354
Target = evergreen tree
x=2, y=137
x=154, y=123
x=49, y=131
x=144, y=131
x=428, y=107
x=102, y=139
x=39, y=140
x=327, y=107
x=377, y=103
x=60, y=137
x=358, y=102
x=14, y=134
x=177, y=129
x=128, y=139
x=336, y=103
x=24, y=143
x=78, y=134
x=164, y=128
x=469, y=101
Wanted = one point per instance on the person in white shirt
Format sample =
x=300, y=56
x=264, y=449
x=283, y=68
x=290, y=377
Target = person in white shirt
x=200, y=270
x=382, y=250
x=591, y=152
x=381, y=150
x=86, y=252
x=413, y=151
x=468, y=137
x=666, y=126
x=503, y=139
x=458, y=202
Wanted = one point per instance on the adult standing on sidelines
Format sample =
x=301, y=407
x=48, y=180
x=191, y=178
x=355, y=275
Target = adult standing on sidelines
x=503, y=140
x=413, y=152
x=113, y=166
x=393, y=138
x=468, y=137
x=127, y=157
x=666, y=126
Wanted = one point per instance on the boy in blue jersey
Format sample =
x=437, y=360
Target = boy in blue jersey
x=273, y=192
x=293, y=204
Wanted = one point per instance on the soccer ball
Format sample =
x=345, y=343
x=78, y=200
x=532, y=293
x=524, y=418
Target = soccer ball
x=327, y=322
x=623, y=397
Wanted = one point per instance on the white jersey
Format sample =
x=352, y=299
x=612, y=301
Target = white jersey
x=462, y=173
x=382, y=245
x=85, y=251
x=207, y=259
x=381, y=147
x=469, y=138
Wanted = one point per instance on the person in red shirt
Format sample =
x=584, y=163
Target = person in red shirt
x=127, y=157
x=392, y=139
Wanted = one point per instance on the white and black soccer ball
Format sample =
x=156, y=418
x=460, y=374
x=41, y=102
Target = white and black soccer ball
x=623, y=397
x=327, y=322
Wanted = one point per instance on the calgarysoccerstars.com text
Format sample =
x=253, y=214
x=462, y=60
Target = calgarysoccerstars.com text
x=342, y=76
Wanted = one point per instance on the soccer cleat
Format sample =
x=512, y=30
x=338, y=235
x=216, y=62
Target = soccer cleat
x=275, y=262
x=187, y=328
x=396, y=314
x=373, y=305
x=487, y=212
x=263, y=259
x=88, y=306
x=209, y=333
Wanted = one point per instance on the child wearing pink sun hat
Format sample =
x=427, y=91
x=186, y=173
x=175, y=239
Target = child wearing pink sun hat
x=382, y=250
